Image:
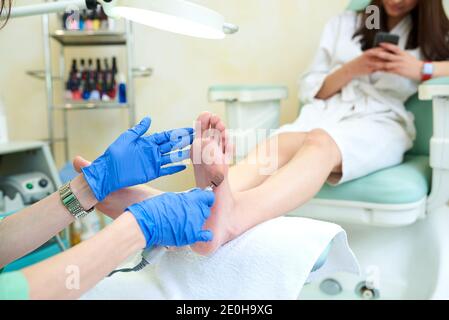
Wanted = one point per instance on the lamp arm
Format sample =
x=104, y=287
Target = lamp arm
x=51, y=7
x=188, y=12
x=108, y=5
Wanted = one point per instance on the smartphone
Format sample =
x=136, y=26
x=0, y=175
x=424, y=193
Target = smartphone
x=382, y=37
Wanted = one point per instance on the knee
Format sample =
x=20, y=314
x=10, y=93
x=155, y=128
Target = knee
x=320, y=138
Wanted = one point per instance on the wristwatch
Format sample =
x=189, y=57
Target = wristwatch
x=70, y=201
x=427, y=71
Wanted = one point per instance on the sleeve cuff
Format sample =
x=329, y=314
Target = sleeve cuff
x=14, y=286
x=310, y=86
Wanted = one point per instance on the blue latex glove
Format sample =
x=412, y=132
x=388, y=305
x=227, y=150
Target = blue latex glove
x=175, y=219
x=135, y=159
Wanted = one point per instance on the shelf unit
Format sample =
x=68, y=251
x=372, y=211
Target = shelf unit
x=69, y=39
x=90, y=38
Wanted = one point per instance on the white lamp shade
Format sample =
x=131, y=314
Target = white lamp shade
x=177, y=16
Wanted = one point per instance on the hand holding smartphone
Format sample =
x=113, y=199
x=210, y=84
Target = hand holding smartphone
x=385, y=37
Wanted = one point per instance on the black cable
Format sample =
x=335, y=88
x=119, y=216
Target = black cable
x=149, y=256
x=137, y=268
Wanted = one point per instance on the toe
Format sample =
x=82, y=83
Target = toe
x=225, y=140
x=221, y=126
x=203, y=123
x=220, y=129
x=214, y=120
x=217, y=123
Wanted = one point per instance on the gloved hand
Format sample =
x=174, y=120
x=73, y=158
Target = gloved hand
x=135, y=159
x=174, y=219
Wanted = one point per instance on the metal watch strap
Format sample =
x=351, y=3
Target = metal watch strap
x=72, y=204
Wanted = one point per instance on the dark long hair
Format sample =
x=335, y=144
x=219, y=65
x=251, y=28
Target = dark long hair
x=5, y=5
x=430, y=31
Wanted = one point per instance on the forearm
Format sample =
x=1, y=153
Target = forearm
x=27, y=230
x=335, y=82
x=441, y=69
x=72, y=273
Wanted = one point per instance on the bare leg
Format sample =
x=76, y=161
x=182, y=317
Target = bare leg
x=280, y=194
x=291, y=186
x=247, y=173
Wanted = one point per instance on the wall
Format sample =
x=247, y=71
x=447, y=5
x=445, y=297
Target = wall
x=276, y=43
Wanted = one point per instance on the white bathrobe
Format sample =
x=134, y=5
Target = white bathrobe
x=367, y=119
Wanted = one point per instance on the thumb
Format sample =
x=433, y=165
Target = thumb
x=140, y=129
x=80, y=163
x=207, y=197
x=205, y=236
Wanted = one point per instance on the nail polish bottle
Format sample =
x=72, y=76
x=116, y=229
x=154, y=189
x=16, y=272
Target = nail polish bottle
x=111, y=24
x=72, y=23
x=81, y=83
x=99, y=78
x=104, y=25
x=107, y=81
x=96, y=19
x=89, y=24
x=77, y=95
x=82, y=23
x=64, y=20
x=94, y=93
x=73, y=82
x=113, y=78
x=86, y=81
x=122, y=97
x=85, y=88
x=114, y=66
x=74, y=68
x=91, y=70
x=82, y=70
x=105, y=98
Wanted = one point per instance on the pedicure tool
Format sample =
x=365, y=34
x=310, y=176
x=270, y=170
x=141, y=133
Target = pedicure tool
x=152, y=255
x=217, y=180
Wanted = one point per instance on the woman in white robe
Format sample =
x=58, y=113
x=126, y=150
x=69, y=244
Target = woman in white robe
x=367, y=119
x=353, y=121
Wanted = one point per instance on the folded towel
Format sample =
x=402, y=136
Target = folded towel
x=271, y=261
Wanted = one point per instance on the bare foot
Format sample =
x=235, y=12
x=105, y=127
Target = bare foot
x=208, y=159
x=210, y=155
x=116, y=203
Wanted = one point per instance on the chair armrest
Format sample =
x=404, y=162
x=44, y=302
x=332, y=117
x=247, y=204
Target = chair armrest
x=437, y=90
x=438, y=87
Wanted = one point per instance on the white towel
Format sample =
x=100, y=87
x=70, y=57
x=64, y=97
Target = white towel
x=271, y=261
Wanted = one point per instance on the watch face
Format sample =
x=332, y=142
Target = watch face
x=428, y=69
